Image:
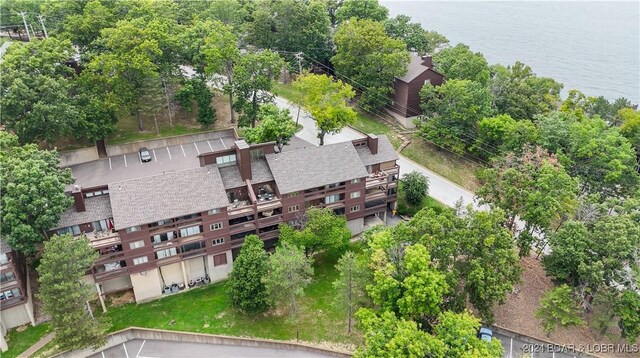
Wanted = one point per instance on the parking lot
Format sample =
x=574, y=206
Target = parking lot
x=129, y=166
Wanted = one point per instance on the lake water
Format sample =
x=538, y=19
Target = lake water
x=590, y=46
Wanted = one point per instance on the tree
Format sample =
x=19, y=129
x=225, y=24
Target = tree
x=630, y=127
x=387, y=336
x=38, y=98
x=458, y=331
x=451, y=113
x=533, y=187
x=65, y=295
x=415, y=186
x=319, y=230
x=519, y=93
x=361, y=9
x=220, y=54
x=84, y=28
x=246, y=288
x=504, y=134
x=197, y=89
x=557, y=307
x=289, y=272
x=414, y=36
x=627, y=308
x=275, y=125
x=350, y=285
x=33, y=193
x=369, y=59
x=253, y=78
x=326, y=100
x=292, y=26
x=460, y=63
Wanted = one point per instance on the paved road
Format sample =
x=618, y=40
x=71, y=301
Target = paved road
x=439, y=188
x=157, y=349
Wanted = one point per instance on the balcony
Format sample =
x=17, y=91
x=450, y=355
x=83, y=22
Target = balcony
x=240, y=208
x=110, y=270
x=267, y=221
x=375, y=194
x=103, y=239
x=269, y=234
x=245, y=226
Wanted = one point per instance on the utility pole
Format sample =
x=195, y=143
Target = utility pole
x=25, y=25
x=299, y=58
x=46, y=36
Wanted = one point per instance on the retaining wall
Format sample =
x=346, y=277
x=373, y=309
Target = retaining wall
x=78, y=156
x=132, y=333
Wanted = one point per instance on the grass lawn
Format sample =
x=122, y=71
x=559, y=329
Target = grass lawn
x=405, y=208
x=208, y=310
x=287, y=91
x=455, y=168
x=21, y=341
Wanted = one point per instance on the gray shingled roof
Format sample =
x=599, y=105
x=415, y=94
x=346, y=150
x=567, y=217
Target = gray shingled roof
x=315, y=166
x=385, y=153
x=97, y=208
x=260, y=173
x=414, y=69
x=166, y=196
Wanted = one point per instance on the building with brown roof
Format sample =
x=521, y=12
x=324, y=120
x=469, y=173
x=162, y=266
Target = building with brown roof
x=180, y=219
x=406, y=89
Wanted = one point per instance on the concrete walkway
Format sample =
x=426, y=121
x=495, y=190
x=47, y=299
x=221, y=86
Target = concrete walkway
x=36, y=347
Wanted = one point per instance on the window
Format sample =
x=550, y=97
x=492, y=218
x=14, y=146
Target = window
x=96, y=193
x=226, y=160
x=294, y=194
x=4, y=258
x=140, y=260
x=333, y=185
x=193, y=246
x=219, y=260
x=161, y=222
x=294, y=208
x=136, y=244
x=427, y=81
x=188, y=231
x=355, y=194
x=369, y=168
x=73, y=230
x=354, y=209
x=165, y=236
x=214, y=211
x=217, y=241
x=166, y=253
x=187, y=217
x=100, y=225
x=215, y=226
x=7, y=276
x=133, y=229
x=5, y=295
x=331, y=199
x=355, y=181
x=257, y=154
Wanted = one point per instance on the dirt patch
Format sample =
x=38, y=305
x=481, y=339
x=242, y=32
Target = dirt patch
x=121, y=298
x=518, y=313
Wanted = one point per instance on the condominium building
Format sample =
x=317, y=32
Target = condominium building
x=179, y=220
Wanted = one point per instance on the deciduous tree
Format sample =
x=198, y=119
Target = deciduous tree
x=370, y=59
x=319, y=230
x=458, y=331
x=289, y=272
x=414, y=36
x=460, y=63
x=275, y=125
x=558, y=307
x=65, y=294
x=246, y=288
x=415, y=186
x=627, y=308
x=33, y=193
x=361, y=9
x=504, y=134
x=326, y=100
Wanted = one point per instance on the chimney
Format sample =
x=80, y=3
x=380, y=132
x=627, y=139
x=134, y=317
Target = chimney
x=427, y=61
x=372, y=143
x=243, y=159
x=78, y=198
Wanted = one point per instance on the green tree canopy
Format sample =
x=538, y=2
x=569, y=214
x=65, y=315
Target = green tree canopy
x=414, y=36
x=246, y=288
x=289, y=272
x=33, y=193
x=65, y=294
x=630, y=127
x=39, y=100
x=275, y=125
x=415, y=186
x=369, y=58
x=518, y=92
x=350, y=285
x=627, y=308
x=504, y=134
x=84, y=28
x=319, y=230
x=361, y=9
x=460, y=63
x=533, y=187
x=558, y=307
x=326, y=100
x=458, y=331
x=253, y=76
x=451, y=113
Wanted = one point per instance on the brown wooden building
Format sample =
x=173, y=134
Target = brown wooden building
x=406, y=95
